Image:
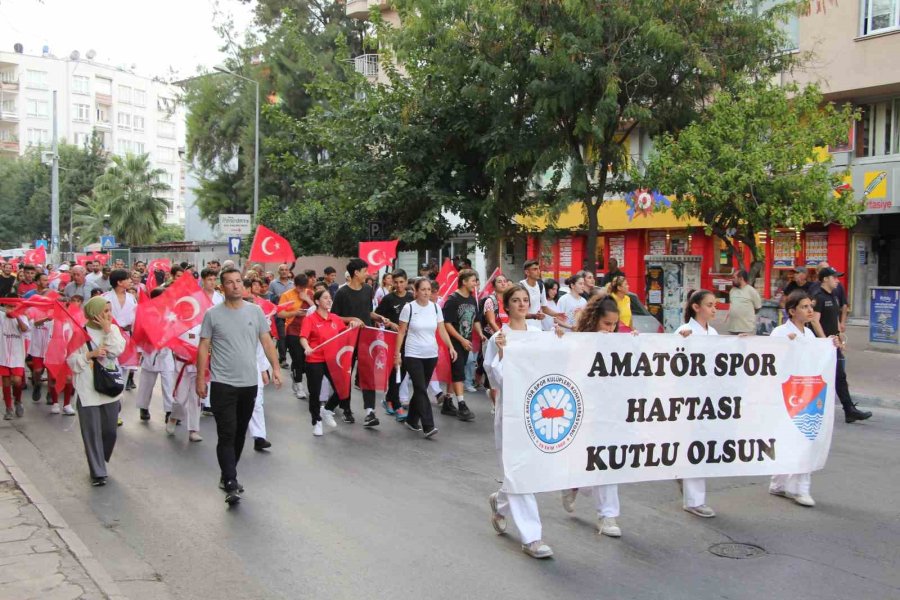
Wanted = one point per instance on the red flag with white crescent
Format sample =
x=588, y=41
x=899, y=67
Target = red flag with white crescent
x=378, y=254
x=173, y=312
x=162, y=265
x=269, y=247
x=38, y=256
x=67, y=337
x=447, y=281
x=338, y=352
x=488, y=288
x=375, y=358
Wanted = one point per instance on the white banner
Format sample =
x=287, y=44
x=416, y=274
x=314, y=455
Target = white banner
x=593, y=408
x=235, y=224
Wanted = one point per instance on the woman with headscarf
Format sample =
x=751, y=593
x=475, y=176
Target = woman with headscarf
x=97, y=413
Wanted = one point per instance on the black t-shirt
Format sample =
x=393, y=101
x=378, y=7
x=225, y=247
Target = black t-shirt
x=838, y=292
x=6, y=285
x=610, y=276
x=829, y=307
x=461, y=313
x=793, y=287
x=354, y=303
x=391, y=305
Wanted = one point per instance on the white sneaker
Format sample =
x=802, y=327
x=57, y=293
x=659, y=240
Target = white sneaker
x=537, y=549
x=301, y=392
x=497, y=520
x=68, y=410
x=170, y=427
x=317, y=429
x=568, y=499
x=801, y=499
x=608, y=526
x=471, y=389
x=55, y=409
x=703, y=511
x=327, y=417
x=295, y=387
x=195, y=436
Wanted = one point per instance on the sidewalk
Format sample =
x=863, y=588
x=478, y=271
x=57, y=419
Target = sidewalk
x=874, y=375
x=40, y=557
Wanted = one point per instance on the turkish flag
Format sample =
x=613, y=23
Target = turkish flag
x=338, y=352
x=157, y=264
x=447, y=281
x=270, y=247
x=38, y=256
x=129, y=356
x=375, y=358
x=86, y=258
x=489, y=286
x=183, y=350
x=67, y=337
x=41, y=307
x=269, y=309
x=378, y=254
x=442, y=370
x=176, y=310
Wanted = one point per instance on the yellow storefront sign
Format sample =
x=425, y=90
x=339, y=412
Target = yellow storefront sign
x=613, y=216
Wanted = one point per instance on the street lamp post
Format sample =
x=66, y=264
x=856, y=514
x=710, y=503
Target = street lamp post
x=256, y=144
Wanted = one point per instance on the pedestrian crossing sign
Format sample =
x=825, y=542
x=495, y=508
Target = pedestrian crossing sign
x=107, y=242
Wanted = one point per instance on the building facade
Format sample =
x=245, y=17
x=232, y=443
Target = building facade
x=133, y=114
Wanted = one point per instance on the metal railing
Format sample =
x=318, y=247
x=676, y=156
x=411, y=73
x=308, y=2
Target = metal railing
x=366, y=64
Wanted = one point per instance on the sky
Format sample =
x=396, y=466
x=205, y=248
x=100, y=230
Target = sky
x=154, y=35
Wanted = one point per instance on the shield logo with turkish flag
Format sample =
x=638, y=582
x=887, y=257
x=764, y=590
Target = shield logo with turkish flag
x=338, y=352
x=269, y=247
x=375, y=358
x=804, y=399
x=378, y=254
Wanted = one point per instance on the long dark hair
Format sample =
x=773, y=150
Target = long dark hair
x=794, y=300
x=696, y=297
x=596, y=309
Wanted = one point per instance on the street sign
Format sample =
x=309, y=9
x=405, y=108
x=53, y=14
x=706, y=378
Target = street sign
x=235, y=224
x=376, y=230
x=107, y=241
x=234, y=245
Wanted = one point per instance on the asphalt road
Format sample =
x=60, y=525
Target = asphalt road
x=386, y=514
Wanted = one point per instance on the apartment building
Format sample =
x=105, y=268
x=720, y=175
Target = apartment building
x=133, y=114
x=369, y=65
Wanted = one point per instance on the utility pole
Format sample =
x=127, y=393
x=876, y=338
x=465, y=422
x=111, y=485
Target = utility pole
x=54, y=190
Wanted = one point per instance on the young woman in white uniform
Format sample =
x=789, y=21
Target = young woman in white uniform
x=698, y=314
x=522, y=508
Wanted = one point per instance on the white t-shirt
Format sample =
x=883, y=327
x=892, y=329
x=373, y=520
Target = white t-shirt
x=537, y=296
x=789, y=328
x=569, y=304
x=423, y=322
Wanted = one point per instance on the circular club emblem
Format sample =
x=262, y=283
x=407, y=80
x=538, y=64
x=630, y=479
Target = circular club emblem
x=553, y=412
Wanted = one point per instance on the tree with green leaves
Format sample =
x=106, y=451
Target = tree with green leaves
x=753, y=163
x=129, y=193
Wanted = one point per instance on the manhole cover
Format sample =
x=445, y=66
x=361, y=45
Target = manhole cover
x=737, y=550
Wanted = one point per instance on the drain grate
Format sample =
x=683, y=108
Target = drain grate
x=737, y=550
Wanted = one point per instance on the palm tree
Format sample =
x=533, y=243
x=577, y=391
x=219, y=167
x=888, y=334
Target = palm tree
x=129, y=193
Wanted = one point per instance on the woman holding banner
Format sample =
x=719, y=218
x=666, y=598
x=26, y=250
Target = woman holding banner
x=318, y=328
x=522, y=508
x=699, y=312
x=420, y=320
x=799, y=308
x=600, y=315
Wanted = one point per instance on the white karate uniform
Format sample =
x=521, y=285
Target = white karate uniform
x=159, y=363
x=522, y=508
x=258, y=418
x=798, y=483
x=694, y=489
x=186, y=405
x=12, y=347
x=124, y=314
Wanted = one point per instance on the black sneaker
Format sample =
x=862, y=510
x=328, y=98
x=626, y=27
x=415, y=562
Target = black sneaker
x=260, y=444
x=145, y=415
x=447, y=407
x=98, y=481
x=240, y=488
x=49, y=399
x=412, y=427
x=851, y=416
x=232, y=493
x=371, y=420
x=464, y=414
x=36, y=393
x=348, y=417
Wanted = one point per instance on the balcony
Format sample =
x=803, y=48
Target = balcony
x=366, y=65
x=105, y=99
x=9, y=146
x=9, y=86
x=10, y=116
x=359, y=9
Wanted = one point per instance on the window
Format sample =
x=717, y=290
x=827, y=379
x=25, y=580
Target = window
x=138, y=123
x=104, y=86
x=170, y=207
x=82, y=139
x=165, y=104
x=37, y=79
x=879, y=129
x=7, y=135
x=165, y=129
x=81, y=84
x=38, y=137
x=38, y=108
x=8, y=106
x=879, y=16
x=165, y=154
x=124, y=94
x=123, y=147
x=166, y=178
x=81, y=113
x=102, y=114
x=788, y=25
x=124, y=120
x=140, y=98
x=8, y=76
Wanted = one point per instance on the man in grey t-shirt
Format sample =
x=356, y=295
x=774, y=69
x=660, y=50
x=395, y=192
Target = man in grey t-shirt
x=231, y=331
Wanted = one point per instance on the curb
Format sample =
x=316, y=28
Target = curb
x=88, y=561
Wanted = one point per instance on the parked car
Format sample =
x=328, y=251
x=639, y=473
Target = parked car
x=641, y=319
